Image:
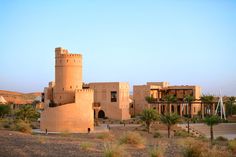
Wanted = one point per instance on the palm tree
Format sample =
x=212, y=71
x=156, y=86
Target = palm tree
x=189, y=99
x=208, y=101
x=169, y=100
x=169, y=120
x=230, y=103
x=148, y=116
x=211, y=121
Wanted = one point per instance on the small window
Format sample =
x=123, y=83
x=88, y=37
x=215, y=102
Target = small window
x=113, y=96
x=63, y=89
x=70, y=87
x=67, y=60
x=60, y=97
x=194, y=109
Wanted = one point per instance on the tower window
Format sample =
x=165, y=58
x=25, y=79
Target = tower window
x=67, y=60
x=113, y=96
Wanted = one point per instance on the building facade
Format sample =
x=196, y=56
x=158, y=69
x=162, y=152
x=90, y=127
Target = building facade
x=158, y=91
x=111, y=99
x=67, y=106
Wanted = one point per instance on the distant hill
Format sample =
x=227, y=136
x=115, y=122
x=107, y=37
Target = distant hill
x=19, y=98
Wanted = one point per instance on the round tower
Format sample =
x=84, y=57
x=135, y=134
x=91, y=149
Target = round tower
x=68, y=76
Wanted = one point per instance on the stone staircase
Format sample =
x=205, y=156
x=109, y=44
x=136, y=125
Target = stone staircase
x=227, y=130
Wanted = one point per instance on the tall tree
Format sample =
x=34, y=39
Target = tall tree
x=211, y=121
x=27, y=113
x=170, y=99
x=4, y=110
x=149, y=116
x=208, y=101
x=169, y=120
x=189, y=99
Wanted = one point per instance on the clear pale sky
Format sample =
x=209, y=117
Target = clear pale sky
x=183, y=42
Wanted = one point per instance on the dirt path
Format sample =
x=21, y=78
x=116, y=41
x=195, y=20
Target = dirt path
x=172, y=149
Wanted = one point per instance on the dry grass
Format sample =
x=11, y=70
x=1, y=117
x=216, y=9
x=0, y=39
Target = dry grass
x=156, y=152
x=104, y=136
x=113, y=150
x=132, y=138
x=232, y=145
x=21, y=126
x=86, y=145
x=42, y=139
x=198, y=148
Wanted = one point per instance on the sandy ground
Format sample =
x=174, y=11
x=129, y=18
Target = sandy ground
x=15, y=144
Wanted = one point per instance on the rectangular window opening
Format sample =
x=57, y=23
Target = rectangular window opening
x=113, y=96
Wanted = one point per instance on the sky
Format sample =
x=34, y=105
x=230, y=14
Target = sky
x=184, y=42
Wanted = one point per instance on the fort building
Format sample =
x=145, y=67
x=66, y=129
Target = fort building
x=67, y=106
x=157, y=91
x=112, y=98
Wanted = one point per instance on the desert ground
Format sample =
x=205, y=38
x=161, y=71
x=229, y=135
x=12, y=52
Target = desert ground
x=92, y=144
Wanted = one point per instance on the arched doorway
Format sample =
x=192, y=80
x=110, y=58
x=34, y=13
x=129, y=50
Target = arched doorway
x=101, y=114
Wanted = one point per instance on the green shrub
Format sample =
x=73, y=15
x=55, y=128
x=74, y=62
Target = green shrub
x=85, y=146
x=232, y=145
x=4, y=110
x=27, y=113
x=111, y=150
x=156, y=152
x=157, y=135
x=132, y=138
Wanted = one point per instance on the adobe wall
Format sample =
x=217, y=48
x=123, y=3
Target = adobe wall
x=139, y=94
x=74, y=117
x=102, y=94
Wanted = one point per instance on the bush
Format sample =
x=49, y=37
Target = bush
x=27, y=113
x=85, y=146
x=232, y=145
x=15, y=125
x=221, y=138
x=192, y=149
x=156, y=152
x=181, y=133
x=21, y=126
x=132, y=138
x=4, y=110
x=111, y=150
x=5, y=123
x=196, y=148
x=157, y=135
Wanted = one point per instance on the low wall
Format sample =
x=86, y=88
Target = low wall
x=74, y=117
